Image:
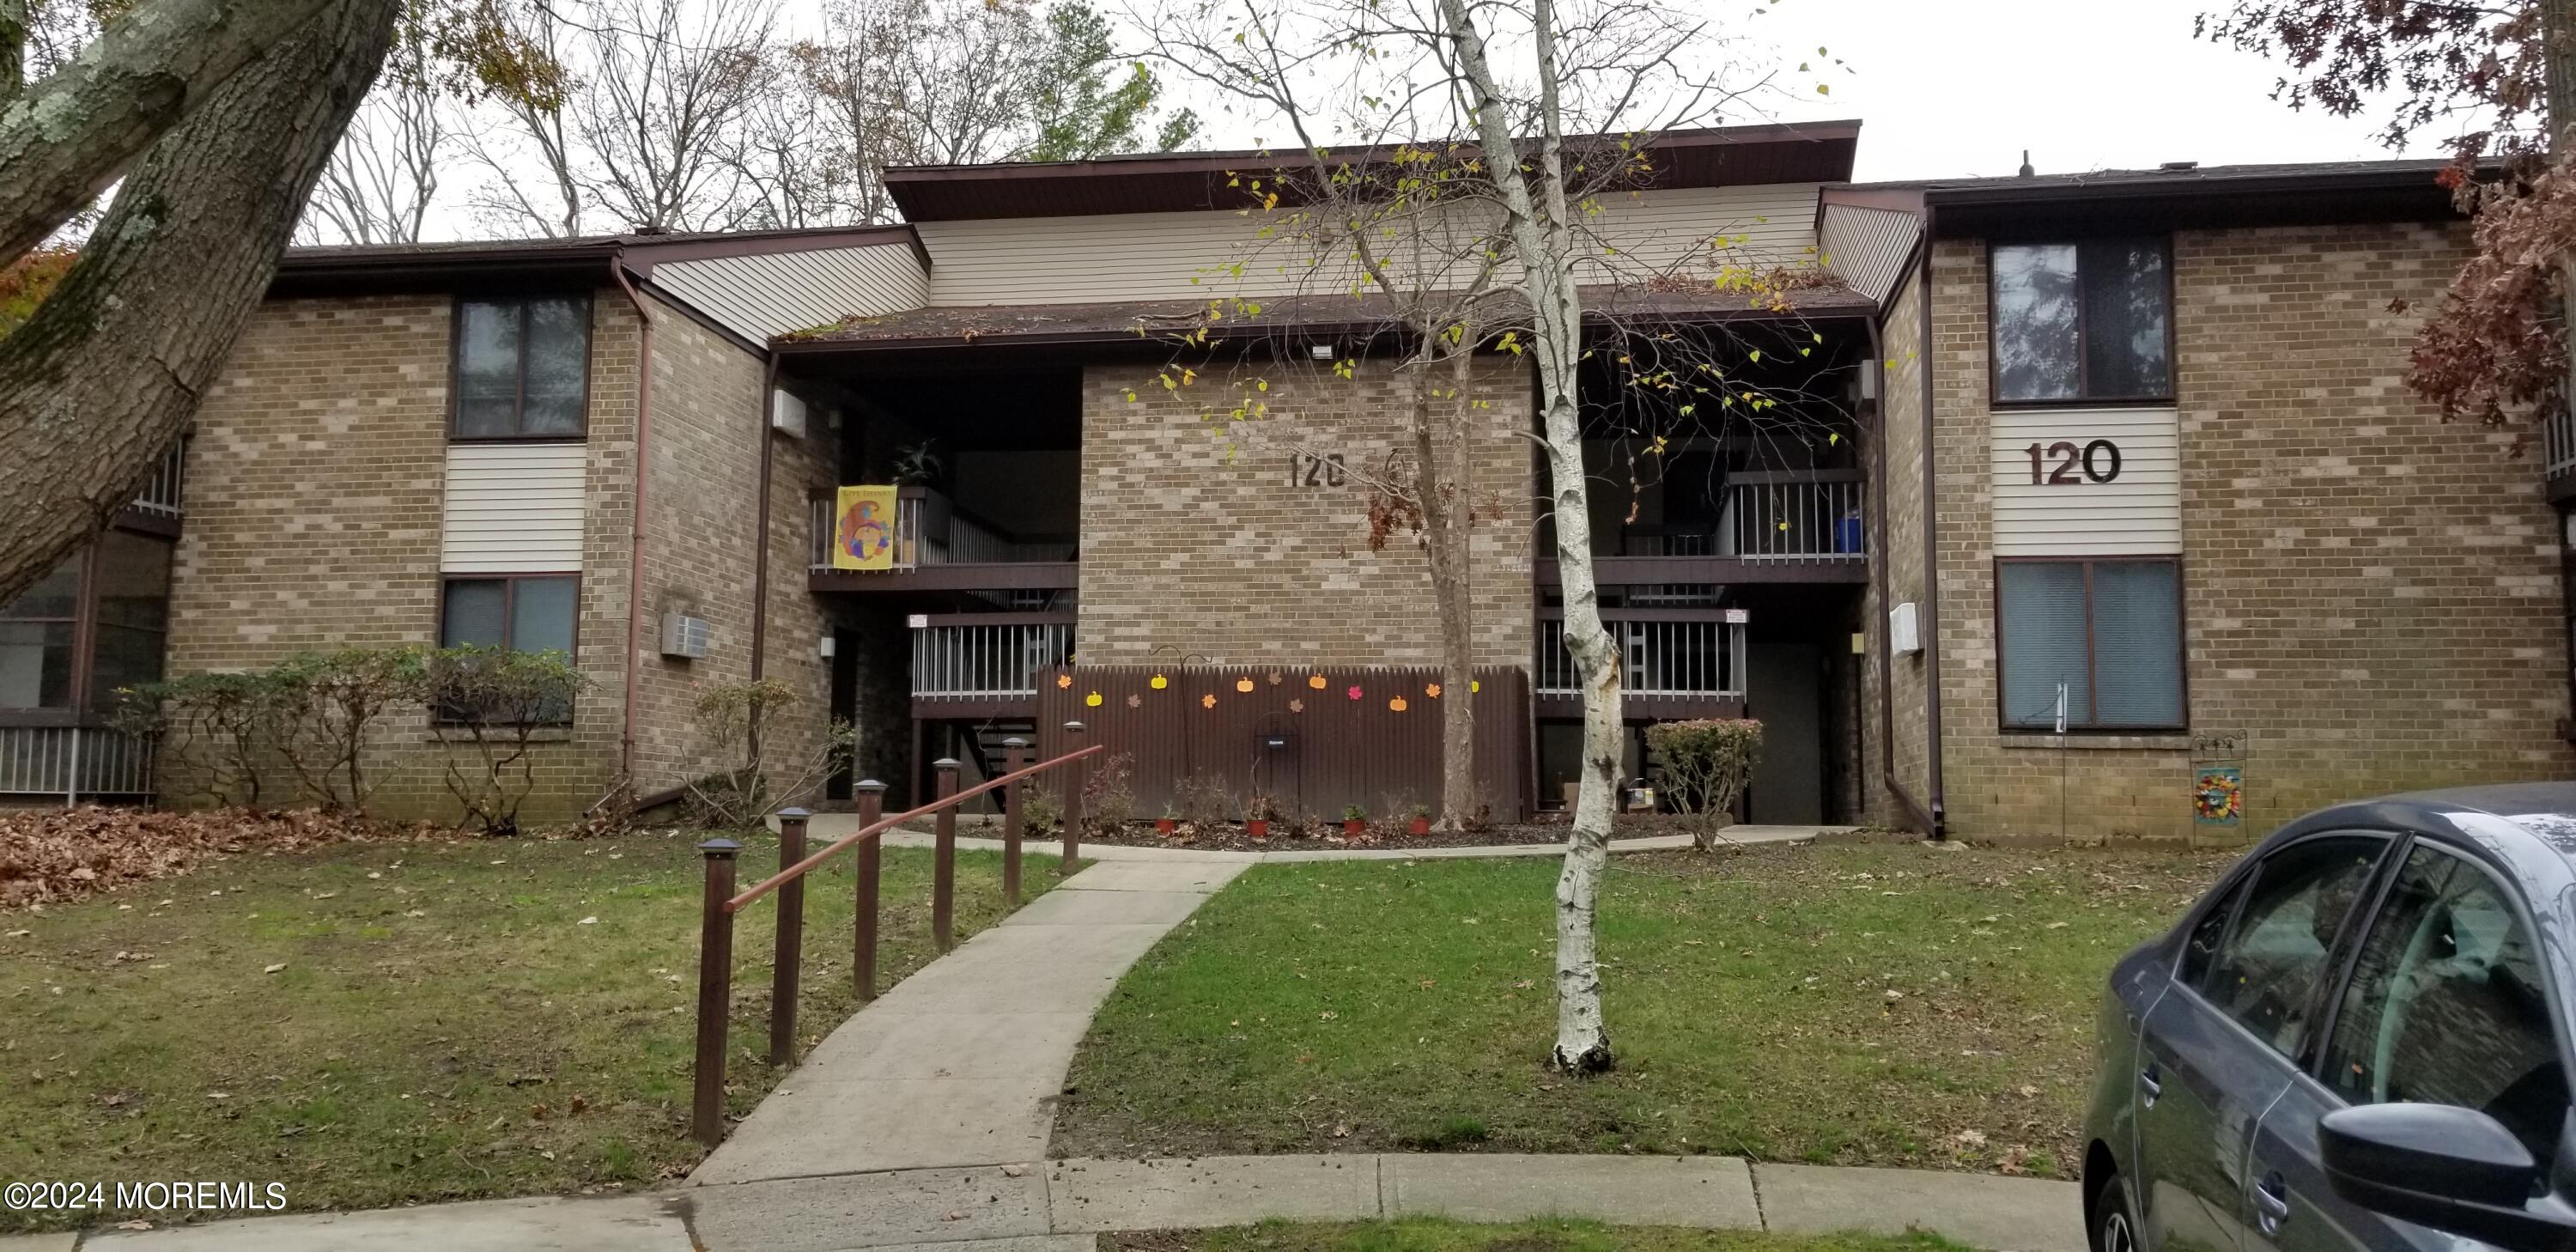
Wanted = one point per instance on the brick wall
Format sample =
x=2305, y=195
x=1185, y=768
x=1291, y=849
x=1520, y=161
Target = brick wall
x=1896, y=555
x=702, y=534
x=1196, y=541
x=314, y=484
x=2370, y=596
x=314, y=500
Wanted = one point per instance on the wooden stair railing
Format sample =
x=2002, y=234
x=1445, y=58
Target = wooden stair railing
x=715, y=942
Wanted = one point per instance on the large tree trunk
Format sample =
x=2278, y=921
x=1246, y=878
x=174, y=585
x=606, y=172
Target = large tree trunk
x=107, y=373
x=68, y=139
x=1447, y=509
x=1544, y=241
x=13, y=49
x=2558, y=62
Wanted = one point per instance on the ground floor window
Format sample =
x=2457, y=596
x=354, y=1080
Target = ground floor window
x=523, y=613
x=2109, y=630
x=93, y=626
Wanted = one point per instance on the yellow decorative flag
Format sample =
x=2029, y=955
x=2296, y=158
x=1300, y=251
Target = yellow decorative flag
x=863, y=528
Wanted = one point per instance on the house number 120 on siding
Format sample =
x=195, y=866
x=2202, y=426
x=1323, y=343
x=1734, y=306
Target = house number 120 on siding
x=2056, y=464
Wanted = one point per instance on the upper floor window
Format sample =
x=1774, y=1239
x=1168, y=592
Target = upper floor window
x=2085, y=321
x=522, y=367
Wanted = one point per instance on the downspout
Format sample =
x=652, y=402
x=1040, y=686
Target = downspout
x=1914, y=810
x=635, y=565
x=1931, y=556
x=760, y=541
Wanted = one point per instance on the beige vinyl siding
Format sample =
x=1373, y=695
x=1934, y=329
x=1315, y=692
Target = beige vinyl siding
x=760, y=296
x=2138, y=513
x=513, y=508
x=1182, y=256
x=1867, y=246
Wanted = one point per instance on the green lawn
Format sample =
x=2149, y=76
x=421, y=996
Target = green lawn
x=1891, y=1005
x=1431, y=1235
x=451, y=1020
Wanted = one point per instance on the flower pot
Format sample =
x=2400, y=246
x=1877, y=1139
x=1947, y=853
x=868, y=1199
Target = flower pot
x=1419, y=826
x=1257, y=828
x=1165, y=825
x=1355, y=826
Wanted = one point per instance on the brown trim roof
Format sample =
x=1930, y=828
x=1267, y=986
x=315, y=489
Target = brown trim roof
x=1182, y=182
x=1032, y=325
x=338, y=268
x=2181, y=195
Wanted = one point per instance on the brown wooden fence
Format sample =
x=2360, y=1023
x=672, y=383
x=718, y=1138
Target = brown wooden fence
x=1314, y=740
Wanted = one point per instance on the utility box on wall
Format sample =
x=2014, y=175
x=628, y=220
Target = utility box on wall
x=1903, y=637
x=684, y=636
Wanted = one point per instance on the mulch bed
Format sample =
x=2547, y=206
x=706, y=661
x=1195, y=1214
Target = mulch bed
x=52, y=856
x=1381, y=835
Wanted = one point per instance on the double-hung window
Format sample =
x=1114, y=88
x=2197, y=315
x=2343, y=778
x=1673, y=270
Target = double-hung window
x=522, y=367
x=2083, y=322
x=518, y=613
x=2108, y=629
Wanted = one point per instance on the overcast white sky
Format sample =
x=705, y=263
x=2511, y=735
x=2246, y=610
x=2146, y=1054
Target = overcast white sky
x=1959, y=88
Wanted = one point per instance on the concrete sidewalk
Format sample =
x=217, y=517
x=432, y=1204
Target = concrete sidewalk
x=1058, y=1206
x=960, y=1063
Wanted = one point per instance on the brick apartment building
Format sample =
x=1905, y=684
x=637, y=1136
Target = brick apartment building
x=2151, y=444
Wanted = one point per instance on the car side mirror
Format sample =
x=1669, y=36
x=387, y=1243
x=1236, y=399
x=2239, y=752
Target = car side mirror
x=2453, y=1169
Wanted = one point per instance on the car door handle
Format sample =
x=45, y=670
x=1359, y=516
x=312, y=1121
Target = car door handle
x=2151, y=1084
x=2271, y=1202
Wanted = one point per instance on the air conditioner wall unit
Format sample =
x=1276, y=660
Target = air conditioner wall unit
x=684, y=636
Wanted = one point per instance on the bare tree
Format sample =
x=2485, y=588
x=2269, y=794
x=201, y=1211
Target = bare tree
x=523, y=142
x=383, y=178
x=668, y=85
x=1513, y=206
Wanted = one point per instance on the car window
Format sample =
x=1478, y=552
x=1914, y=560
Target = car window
x=2446, y=1005
x=2267, y=971
x=2201, y=947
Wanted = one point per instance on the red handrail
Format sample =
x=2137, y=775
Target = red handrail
x=798, y=870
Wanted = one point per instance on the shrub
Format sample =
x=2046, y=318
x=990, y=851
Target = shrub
x=326, y=705
x=1107, y=800
x=1705, y=767
x=494, y=704
x=751, y=774
x=1204, y=801
x=1040, y=810
x=218, y=727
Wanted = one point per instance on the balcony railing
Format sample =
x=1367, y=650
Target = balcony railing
x=987, y=662
x=160, y=494
x=74, y=763
x=2558, y=444
x=930, y=530
x=1692, y=658
x=1807, y=517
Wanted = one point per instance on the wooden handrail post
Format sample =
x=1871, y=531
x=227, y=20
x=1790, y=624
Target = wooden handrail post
x=790, y=953
x=943, y=866
x=1073, y=803
x=1015, y=757
x=715, y=992
x=863, y=955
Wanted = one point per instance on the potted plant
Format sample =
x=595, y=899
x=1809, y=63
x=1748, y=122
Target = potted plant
x=1421, y=823
x=915, y=465
x=1258, y=812
x=1170, y=820
x=1354, y=821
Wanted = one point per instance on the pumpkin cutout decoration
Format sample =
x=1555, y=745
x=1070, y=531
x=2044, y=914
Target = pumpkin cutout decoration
x=1158, y=682
x=1395, y=705
x=1063, y=681
x=1296, y=706
x=1475, y=685
x=1208, y=701
x=1244, y=684
x=1093, y=699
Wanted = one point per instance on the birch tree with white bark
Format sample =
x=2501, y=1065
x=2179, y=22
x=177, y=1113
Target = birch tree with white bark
x=1536, y=113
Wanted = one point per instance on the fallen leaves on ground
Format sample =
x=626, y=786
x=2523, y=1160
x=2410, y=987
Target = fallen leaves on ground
x=49, y=856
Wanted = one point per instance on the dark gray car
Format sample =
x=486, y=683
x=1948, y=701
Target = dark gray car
x=2359, y=1039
